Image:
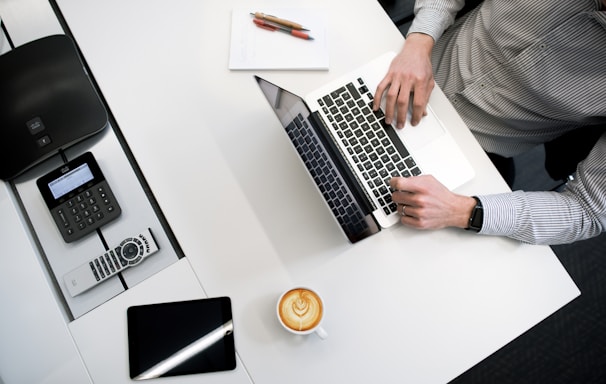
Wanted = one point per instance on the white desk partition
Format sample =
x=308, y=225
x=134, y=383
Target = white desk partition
x=28, y=20
x=403, y=306
x=35, y=346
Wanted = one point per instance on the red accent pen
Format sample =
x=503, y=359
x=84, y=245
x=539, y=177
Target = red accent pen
x=275, y=27
x=277, y=20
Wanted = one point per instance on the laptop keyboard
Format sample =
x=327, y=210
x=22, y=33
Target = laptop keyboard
x=334, y=189
x=373, y=146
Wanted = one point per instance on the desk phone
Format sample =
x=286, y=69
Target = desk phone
x=78, y=197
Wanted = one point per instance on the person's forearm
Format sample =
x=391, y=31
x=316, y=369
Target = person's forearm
x=547, y=218
x=577, y=213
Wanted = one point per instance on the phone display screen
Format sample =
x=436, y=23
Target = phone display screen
x=71, y=180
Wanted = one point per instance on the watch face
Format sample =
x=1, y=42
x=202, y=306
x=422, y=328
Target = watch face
x=477, y=218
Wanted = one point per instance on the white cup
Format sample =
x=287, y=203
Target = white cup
x=300, y=310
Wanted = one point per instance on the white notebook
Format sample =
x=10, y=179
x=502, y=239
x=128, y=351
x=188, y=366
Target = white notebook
x=252, y=47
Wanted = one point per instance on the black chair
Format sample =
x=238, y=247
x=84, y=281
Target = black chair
x=401, y=12
x=564, y=153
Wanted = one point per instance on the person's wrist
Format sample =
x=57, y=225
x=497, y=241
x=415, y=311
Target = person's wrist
x=420, y=41
x=466, y=207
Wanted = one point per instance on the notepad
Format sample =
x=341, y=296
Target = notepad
x=252, y=47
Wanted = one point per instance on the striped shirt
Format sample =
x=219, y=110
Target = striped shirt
x=521, y=73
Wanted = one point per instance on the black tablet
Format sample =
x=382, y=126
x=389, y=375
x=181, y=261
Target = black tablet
x=180, y=338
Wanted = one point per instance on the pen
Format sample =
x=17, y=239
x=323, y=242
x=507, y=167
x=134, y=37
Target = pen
x=277, y=20
x=275, y=27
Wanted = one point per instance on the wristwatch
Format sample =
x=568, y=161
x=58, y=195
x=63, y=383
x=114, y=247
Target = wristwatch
x=477, y=216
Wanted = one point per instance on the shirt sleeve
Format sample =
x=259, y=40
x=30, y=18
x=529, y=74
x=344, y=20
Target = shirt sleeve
x=576, y=213
x=432, y=17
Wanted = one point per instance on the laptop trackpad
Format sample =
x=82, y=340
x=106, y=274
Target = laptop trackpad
x=428, y=130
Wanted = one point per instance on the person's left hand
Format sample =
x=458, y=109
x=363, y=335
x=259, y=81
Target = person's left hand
x=409, y=80
x=425, y=203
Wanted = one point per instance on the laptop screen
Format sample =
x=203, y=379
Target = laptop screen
x=318, y=154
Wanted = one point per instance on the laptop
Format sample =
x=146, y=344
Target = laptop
x=351, y=154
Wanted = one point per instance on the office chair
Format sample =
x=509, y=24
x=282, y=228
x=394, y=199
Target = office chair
x=564, y=153
x=401, y=12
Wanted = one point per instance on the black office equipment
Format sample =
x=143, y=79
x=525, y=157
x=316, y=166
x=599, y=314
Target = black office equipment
x=47, y=103
x=180, y=338
x=78, y=197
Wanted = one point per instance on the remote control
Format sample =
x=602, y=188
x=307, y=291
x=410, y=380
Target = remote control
x=129, y=253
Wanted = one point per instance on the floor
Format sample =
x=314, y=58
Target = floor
x=570, y=345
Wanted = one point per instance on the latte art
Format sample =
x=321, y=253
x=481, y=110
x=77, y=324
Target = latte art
x=300, y=309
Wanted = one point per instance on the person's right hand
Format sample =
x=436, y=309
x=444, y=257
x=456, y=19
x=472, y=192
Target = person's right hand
x=410, y=77
x=425, y=203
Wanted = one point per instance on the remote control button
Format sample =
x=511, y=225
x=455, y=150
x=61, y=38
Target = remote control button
x=92, y=267
x=115, y=260
x=104, y=265
x=130, y=251
x=99, y=269
x=140, y=244
x=135, y=261
x=109, y=262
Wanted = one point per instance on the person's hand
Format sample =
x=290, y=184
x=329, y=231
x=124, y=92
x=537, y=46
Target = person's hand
x=425, y=203
x=410, y=77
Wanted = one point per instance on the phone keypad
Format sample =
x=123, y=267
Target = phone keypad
x=86, y=211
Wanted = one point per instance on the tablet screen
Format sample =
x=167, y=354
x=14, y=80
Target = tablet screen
x=180, y=338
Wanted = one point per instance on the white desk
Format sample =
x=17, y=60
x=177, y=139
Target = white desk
x=402, y=306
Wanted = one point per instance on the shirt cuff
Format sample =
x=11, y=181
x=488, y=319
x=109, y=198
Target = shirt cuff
x=500, y=216
x=431, y=22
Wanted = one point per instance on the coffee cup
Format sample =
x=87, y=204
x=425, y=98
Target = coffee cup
x=300, y=311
